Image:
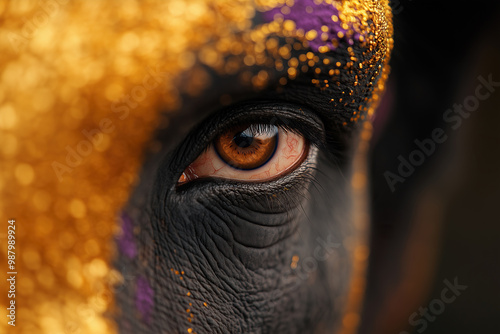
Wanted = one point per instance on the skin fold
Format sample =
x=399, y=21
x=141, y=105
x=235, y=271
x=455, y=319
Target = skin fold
x=225, y=256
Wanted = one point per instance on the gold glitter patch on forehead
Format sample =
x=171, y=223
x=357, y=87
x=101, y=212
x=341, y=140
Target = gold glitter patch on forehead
x=81, y=87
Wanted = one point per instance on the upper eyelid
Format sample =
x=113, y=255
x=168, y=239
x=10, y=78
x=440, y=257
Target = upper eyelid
x=285, y=115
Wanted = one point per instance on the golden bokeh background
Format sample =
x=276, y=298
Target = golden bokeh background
x=69, y=156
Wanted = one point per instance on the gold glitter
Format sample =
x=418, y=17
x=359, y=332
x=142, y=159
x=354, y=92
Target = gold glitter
x=98, y=268
x=8, y=117
x=323, y=49
x=285, y=10
x=67, y=76
x=311, y=34
x=77, y=208
x=24, y=174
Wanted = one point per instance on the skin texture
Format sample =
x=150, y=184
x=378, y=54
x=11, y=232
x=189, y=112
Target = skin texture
x=81, y=90
x=225, y=256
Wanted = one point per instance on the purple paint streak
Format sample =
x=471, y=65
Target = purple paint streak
x=144, y=298
x=126, y=242
x=321, y=15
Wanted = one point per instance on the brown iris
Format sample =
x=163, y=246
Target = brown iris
x=247, y=147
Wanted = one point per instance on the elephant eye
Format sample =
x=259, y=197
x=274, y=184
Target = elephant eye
x=249, y=152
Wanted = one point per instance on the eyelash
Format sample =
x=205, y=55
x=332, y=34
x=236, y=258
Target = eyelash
x=261, y=129
x=256, y=129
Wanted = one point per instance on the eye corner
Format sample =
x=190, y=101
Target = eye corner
x=213, y=186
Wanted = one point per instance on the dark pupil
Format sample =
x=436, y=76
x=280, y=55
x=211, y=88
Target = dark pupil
x=243, y=140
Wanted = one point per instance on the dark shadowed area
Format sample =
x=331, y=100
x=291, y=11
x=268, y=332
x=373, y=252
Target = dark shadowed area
x=435, y=238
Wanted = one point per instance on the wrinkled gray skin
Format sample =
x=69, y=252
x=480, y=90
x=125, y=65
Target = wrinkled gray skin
x=233, y=243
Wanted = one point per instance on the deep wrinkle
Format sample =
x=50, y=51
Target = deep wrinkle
x=137, y=69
